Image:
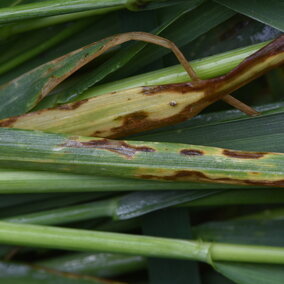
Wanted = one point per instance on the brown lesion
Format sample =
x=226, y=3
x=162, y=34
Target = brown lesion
x=191, y=152
x=72, y=106
x=140, y=121
x=198, y=176
x=243, y=154
x=8, y=122
x=120, y=147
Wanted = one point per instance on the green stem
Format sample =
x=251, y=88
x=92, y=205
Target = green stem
x=205, y=68
x=69, y=214
x=247, y=253
x=54, y=7
x=82, y=240
x=25, y=56
x=33, y=24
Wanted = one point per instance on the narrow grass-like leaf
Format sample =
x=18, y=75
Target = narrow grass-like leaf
x=87, y=36
x=19, y=181
x=270, y=13
x=143, y=160
x=91, y=210
x=129, y=206
x=98, y=264
x=54, y=201
x=258, y=232
x=9, y=30
x=17, y=27
x=139, y=203
x=43, y=46
x=240, y=197
x=14, y=273
x=52, y=7
x=244, y=273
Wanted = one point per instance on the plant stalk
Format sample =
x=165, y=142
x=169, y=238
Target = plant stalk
x=82, y=240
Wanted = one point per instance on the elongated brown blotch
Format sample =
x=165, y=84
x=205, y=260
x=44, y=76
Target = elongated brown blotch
x=126, y=112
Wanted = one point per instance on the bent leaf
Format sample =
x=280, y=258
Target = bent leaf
x=119, y=114
x=23, y=93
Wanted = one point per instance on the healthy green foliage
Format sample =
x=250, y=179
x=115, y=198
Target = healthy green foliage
x=270, y=13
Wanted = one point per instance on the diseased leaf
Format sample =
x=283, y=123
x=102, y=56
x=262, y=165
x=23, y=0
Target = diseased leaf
x=23, y=93
x=142, y=160
x=230, y=129
x=118, y=114
x=19, y=181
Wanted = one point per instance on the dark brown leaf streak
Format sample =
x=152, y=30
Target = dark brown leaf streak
x=197, y=176
x=72, y=106
x=243, y=155
x=138, y=121
x=191, y=152
x=119, y=147
x=274, y=48
x=8, y=122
